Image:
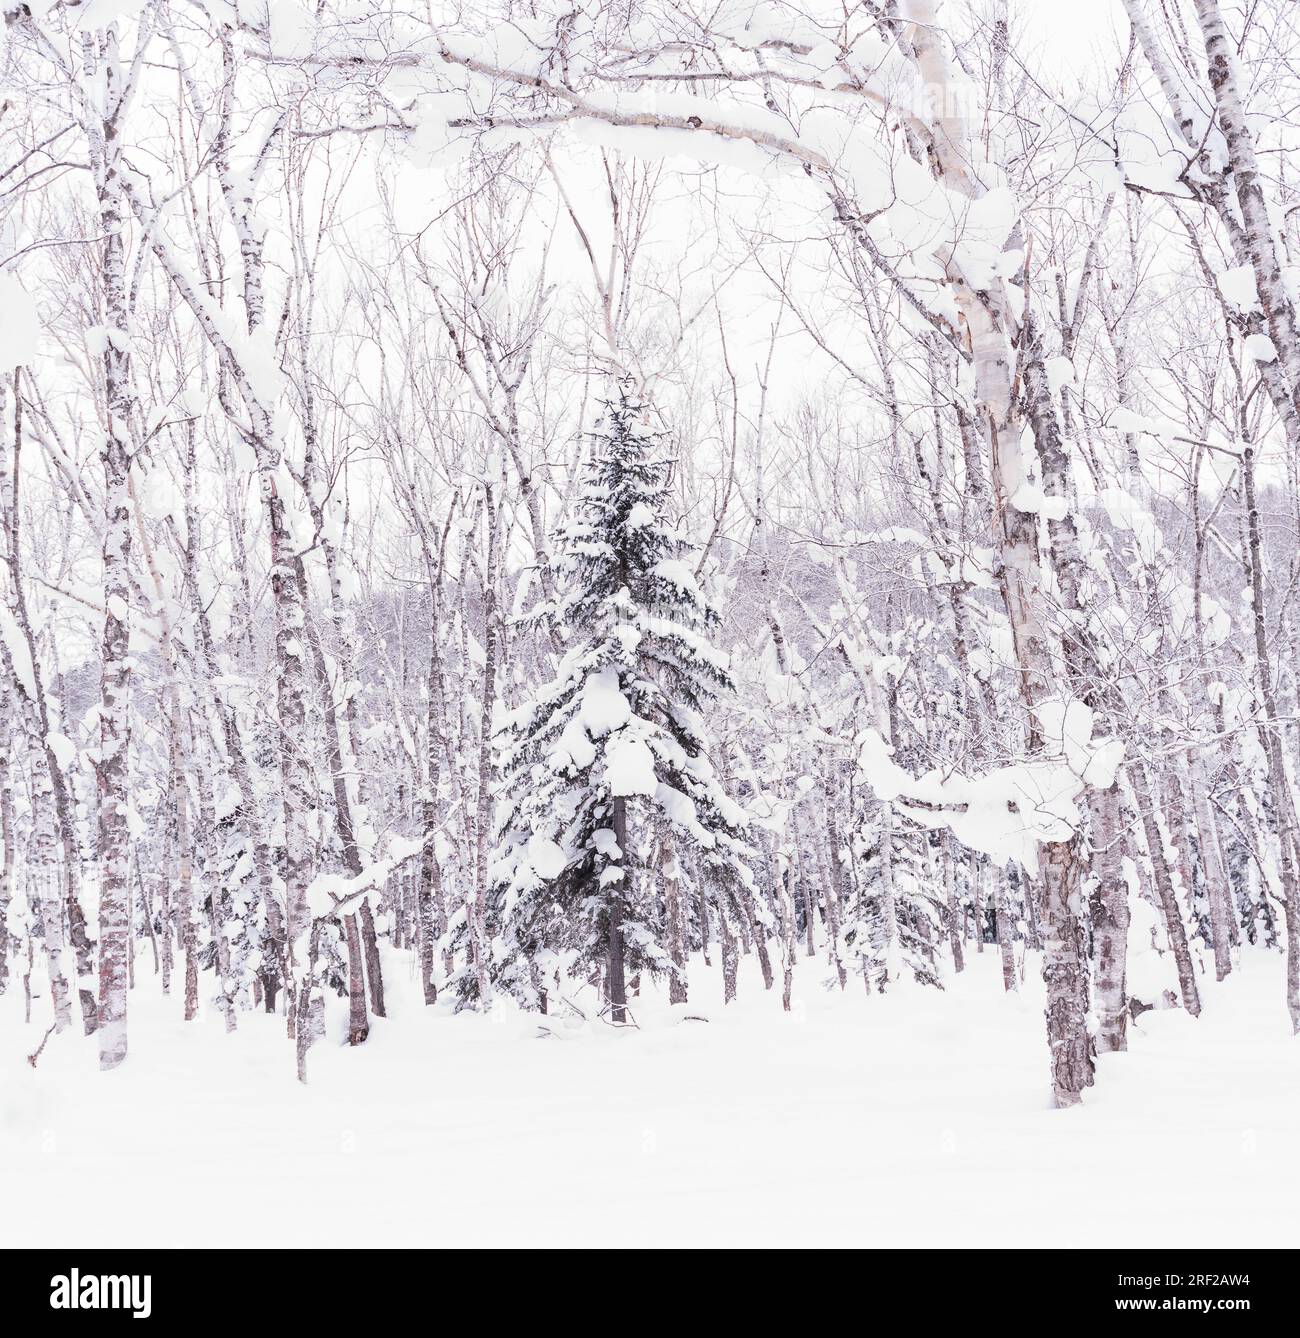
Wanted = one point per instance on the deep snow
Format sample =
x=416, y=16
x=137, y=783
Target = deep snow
x=920, y=1118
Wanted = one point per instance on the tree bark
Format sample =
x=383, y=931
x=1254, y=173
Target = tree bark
x=1175, y=929
x=115, y=454
x=1110, y=921
x=671, y=875
x=358, y=1025
x=616, y=985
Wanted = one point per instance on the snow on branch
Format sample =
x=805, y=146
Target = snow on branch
x=1008, y=812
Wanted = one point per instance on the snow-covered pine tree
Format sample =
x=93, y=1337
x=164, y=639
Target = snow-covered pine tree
x=612, y=755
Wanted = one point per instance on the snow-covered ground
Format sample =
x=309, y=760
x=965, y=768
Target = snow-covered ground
x=915, y=1119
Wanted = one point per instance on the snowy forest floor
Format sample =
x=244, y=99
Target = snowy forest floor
x=918, y=1118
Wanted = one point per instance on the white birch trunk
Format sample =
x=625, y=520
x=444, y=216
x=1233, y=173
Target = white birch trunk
x=102, y=58
x=990, y=325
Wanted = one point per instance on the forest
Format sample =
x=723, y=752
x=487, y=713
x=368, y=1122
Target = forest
x=589, y=517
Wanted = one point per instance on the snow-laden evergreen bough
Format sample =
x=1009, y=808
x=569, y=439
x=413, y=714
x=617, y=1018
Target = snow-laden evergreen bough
x=609, y=787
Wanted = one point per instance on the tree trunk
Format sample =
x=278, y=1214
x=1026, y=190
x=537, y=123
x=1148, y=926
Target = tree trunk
x=115, y=682
x=952, y=913
x=990, y=322
x=1257, y=227
x=1279, y=783
x=730, y=962
x=7, y=840
x=358, y=1025
x=477, y=908
x=616, y=985
x=1065, y=975
x=1110, y=919
x=1005, y=929
x=374, y=969
x=1216, y=879
x=671, y=876
x=1164, y=886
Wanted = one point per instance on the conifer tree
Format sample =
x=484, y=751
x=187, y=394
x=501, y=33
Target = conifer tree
x=612, y=755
